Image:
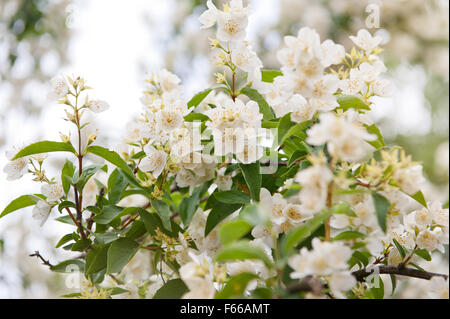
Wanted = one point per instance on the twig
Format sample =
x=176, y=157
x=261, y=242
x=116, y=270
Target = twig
x=397, y=270
x=44, y=262
x=312, y=284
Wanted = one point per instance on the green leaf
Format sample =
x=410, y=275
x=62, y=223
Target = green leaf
x=253, y=178
x=68, y=266
x=188, y=205
x=235, y=286
x=81, y=245
x=87, y=173
x=218, y=213
x=297, y=235
x=400, y=248
x=18, y=203
x=198, y=98
x=116, y=185
x=108, y=214
x=284, y=125
x=233, y=230
x=66, y=175
x=270, y=75
x=379, y=142
x=420, y=198
x=191, y=117
x=382, y=206
x=349, y=101
x=173, y=289
x=232, y=197
x=120, y=253
x=348, y=235
x=111, y=157
x=163, y=210
x=96, y=259
x=423, y=253
x=264, y=107
x=296, y=130
x=394, y=283
x=242, y=250
x=378, y=292
x=65, y=239
x=343, y=208
x=45, y=147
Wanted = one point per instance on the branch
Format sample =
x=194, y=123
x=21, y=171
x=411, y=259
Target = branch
x=312, y=284
x=38, y=255
x=397, y=270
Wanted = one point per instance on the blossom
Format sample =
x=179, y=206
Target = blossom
x=314, y=180
x=53, y=192
x=332, y=53
x=365, y=41
x=15, y=169
x=232, y=26
x=97, y=106
x=168, y=81
x=154, y=161
x=345, y=138
x=41, y=211
x=59, y=87
x=170, y=119
x=247, y=60
x=209, y=17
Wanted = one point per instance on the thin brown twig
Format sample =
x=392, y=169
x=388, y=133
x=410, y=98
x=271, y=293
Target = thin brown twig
x=39, y=256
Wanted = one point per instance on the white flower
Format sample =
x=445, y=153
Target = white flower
x=209, y=17
x=314, y=180
x=232, y=26
x=59, y=87
x=168, y=120
x=52, y=192
x=301, y=110
x=15, y=169
x=345, y=138
x=245, y=58
x=326, y=258
x=365, y=41
x=41, y=211
x=168, y=81
x=200, y=288
x=354, y=84
x=295, y=213
x=428, y=239
x=97, y=106
x=382, y=88
x=410, y=179
x=341, y=281
x=154, y=161
x=332, y=53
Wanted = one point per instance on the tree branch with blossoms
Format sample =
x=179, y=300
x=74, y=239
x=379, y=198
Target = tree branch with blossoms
x=268, y=184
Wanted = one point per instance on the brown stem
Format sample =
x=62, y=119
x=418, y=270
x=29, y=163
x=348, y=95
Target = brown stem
x=44, y=262
x=312, y=284
x=329, y=204
x=397, y=270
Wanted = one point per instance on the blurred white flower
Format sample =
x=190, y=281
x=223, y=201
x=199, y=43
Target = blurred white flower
x=154, y=161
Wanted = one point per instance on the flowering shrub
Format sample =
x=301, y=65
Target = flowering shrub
x=270, y=184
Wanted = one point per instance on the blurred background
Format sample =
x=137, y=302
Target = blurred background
x=115, y=44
